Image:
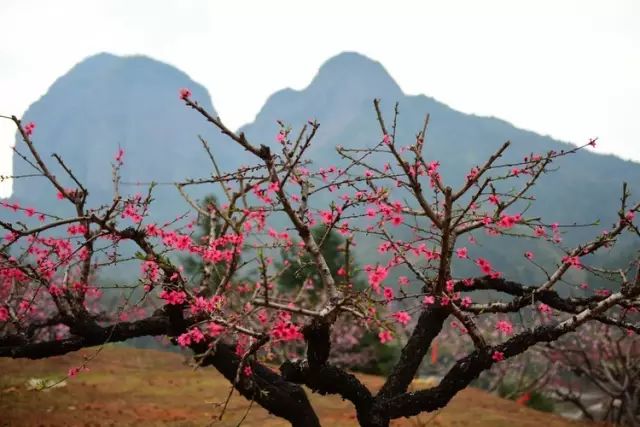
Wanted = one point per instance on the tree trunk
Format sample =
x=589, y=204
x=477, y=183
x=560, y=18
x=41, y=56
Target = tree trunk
x=369, y=418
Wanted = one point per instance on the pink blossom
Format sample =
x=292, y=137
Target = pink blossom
x=484, y=265
x=11, y=236
x=185, y=93
x=572, y=261
x=197, y=335
x=327, y=217
x=396, y=220
x=56, y=291
x=385, y=336
x=173, y=297
x=494, y=199
x=497, y=356
x=449, y=285
x=428, y=300
x=529, y=255
x=505, y=327
x=402, y=317
x=76, y=370
x=119, y=156
x=150, y=270
x=284, y=330
x=194, y=335
x=388, y=294
x=539, y=231
x=462, y=253
x=29, y=127
x=273, y=187
x=473, y=174
x=203, y=305
x=130, y=211
x=76, y=229
x=263, y=317
x=544, y=308
x=184, y=340
x=214, y=329
x=629, y=216
x=508, y=221
x=376, y=276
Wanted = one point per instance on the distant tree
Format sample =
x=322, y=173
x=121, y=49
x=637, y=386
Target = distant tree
x=302, y=271
x=357, y=348
x=598, y=371
x=234, y=316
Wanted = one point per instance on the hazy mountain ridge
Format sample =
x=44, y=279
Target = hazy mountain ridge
x=106, y=101
x=589, y=183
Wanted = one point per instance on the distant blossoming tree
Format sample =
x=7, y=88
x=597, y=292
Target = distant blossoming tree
x=388, y=196
x=598, y=371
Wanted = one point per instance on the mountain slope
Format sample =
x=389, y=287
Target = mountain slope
x=586, y=187
x=106, y=102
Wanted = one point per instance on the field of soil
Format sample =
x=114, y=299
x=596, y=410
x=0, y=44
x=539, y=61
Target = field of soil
x=130, y=387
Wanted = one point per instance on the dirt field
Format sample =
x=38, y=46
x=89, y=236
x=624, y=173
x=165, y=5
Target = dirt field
x=150, y=388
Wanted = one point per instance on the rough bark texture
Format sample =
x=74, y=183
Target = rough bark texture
x=428, y=327
x=273, y=392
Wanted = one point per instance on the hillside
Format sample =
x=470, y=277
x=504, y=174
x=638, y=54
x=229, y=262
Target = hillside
x=150, y=388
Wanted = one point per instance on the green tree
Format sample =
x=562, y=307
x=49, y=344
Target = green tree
x=336, y=250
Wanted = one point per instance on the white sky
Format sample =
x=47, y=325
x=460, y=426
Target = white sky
x=570, y=69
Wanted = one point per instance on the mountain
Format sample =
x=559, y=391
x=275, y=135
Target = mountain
x=106, y=102
x=586, y=187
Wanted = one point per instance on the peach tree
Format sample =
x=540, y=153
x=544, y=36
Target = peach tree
x=269, y=341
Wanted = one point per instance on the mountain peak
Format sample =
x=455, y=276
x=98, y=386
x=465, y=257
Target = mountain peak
x=355, y=72
x=107, y=101
x=107, y=65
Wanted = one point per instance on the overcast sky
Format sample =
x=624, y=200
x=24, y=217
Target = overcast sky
x=564, y=68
